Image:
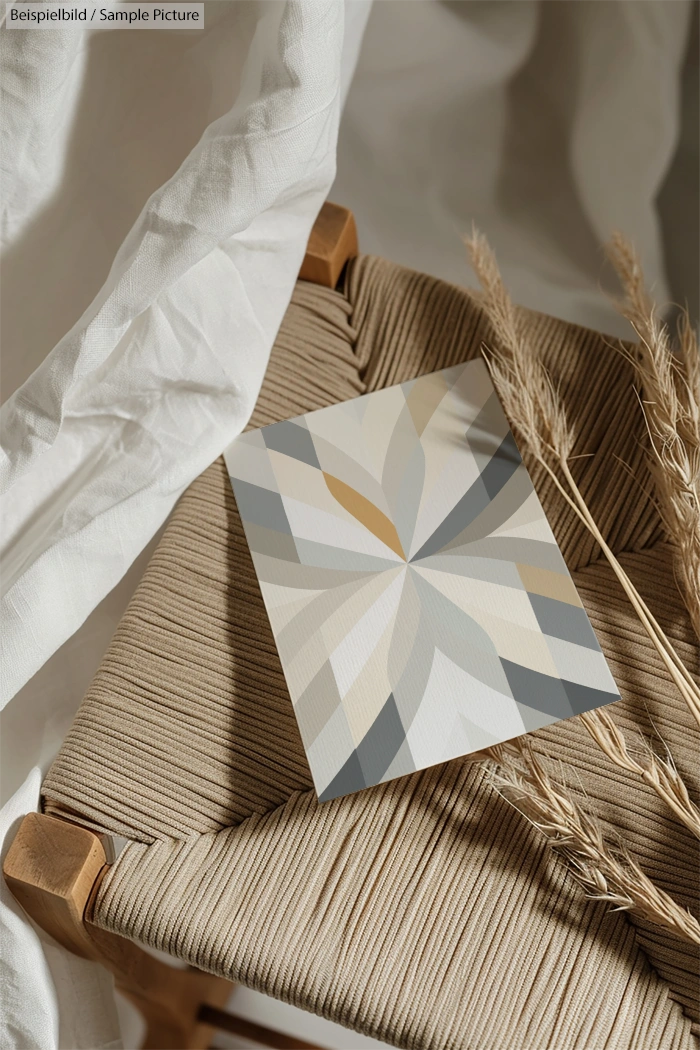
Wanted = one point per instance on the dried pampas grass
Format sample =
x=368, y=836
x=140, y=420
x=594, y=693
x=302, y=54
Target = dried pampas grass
x=659, y=773
x=531, y=402
x=605, y=874
x=670, y=397
x=669, y=393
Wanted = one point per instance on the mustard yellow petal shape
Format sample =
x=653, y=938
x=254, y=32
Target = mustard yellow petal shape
x=366, y=513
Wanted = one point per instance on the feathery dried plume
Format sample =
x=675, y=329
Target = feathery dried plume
x=660, y=774
x=669, y=390
x=604, y=874
x=690, y=357
x=520, y=377
x=532, y=404
x=530, y=400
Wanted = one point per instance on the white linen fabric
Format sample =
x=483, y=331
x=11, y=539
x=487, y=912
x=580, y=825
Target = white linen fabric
x=162, y=369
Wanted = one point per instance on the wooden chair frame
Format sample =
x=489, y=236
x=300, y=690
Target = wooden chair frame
x=54, y=866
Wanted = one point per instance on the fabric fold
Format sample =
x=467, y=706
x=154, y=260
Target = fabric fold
x=163, y=369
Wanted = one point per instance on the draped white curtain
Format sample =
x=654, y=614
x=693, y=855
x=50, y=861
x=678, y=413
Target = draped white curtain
x=549, y=124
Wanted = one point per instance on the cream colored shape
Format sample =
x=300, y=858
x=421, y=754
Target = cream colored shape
x=517, y=638
x=351, y=470
x=450, y=467
x=336, y=626
x=247, y=461
x=437, y=732
x=307, y=662
x=452, y=478
x=529, y=530
x=320, y=526
x=282, y=610
x=303, y=668
x=469, y=594
x=516, y=643
x=469, y=392
x=446, y=430
x=578, y=663
x=424, y=398
x=361, y=635
x=339, y=428
x=557, y=585
x=329, y=751
x=370, y=690
x=276, y=595
x=529, y=511
x=382, y=412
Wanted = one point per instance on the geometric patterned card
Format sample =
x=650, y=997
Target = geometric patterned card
x=420, y=604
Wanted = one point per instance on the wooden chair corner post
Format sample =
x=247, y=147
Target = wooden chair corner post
x=333, y=241
x=54, y=867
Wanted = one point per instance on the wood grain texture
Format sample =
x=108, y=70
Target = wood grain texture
x=332, y=243
x=51, y=868
x=54, y=868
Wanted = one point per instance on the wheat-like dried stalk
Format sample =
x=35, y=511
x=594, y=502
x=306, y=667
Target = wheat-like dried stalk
x=660, y=774
x=604, y=874
x=522, y=381
x=531, y=401
x=669, y=388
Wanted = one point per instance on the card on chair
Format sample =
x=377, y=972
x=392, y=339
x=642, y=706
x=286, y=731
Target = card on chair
x=420, y=604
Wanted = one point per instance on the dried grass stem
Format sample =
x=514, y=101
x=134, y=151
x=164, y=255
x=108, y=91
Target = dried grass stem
x=604, y=874
x=670, y=397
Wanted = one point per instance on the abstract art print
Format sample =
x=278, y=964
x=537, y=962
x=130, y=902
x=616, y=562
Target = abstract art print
x=420, y=604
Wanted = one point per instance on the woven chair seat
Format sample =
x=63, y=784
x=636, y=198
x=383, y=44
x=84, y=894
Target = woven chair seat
x=425, y=912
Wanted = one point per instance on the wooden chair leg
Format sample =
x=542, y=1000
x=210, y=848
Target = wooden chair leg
x=54, y=869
